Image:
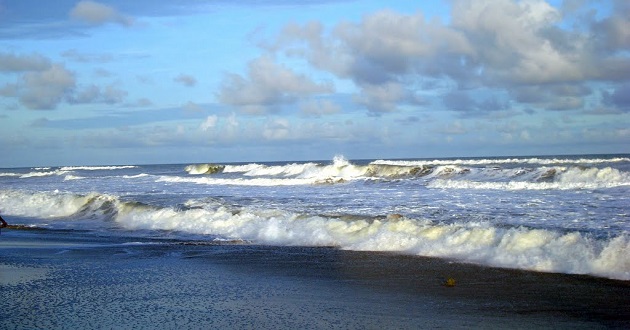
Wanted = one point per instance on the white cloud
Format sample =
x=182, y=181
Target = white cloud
x=209, y=123
x=45, y=89
x=96, y=13
x=619, y=98
x=42, y=85
x=94, y=94
x=20, y=63
x=186, y=80
x=525, y=135
x=387, y=97
x=499, y=45
x=277, y=129
x=267, y=86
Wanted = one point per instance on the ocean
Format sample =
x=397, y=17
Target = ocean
x=527, y=217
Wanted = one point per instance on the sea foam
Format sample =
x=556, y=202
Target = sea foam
x=519, y=247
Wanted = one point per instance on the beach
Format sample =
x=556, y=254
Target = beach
x=206, y=164
x=68, y=280
x=517, y=243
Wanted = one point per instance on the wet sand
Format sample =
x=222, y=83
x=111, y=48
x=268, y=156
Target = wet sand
x=69, y=280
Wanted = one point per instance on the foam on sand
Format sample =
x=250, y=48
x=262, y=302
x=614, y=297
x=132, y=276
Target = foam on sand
x=14, y=275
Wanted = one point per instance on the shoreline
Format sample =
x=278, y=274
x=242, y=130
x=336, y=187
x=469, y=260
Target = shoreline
x=69, y=279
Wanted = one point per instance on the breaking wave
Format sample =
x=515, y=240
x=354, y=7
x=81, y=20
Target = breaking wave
x=260, y=182
x=500, y=161
x=458, y=174
x=43, y=173
x=10, y=174
x=204, y=168
x=559, y=178
x=73, y=177
x=520, y=247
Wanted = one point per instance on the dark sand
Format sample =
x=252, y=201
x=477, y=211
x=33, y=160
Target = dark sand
x=54, y=280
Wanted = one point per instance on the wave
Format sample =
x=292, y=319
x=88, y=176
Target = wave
x=51, y=205
x=10, y=174
x=557, y=178
x=141, y=175
x=340, y=168
x=448, y=175
x=204, y=168
x=73, y=177
x=48, y=171
x=476, y=242
x=260, y=182
x=522, y=248
x=43, y=173
x=504, y=161
x=96, y=168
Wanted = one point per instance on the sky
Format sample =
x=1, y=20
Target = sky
x=154, y=82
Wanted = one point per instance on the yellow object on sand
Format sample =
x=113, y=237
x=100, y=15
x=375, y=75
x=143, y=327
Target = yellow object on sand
x=450, y=282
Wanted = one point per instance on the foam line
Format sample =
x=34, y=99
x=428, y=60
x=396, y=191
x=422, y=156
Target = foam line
x=520, y=247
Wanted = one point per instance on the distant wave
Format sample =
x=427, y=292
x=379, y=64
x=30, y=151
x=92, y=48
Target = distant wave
x=48, y=171
x=73, y=177
x=268, y=182
x=339, y=168
x=511, y=247
x=76, y=177
x=502, y=161
x=95, y=168
x=141, y=175
x=457, y=174
x=543, y=179
x=43, y=173
x=10, y=174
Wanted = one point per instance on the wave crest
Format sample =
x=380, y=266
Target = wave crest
x=511, y=247
x=204, y=169
x=558, y=178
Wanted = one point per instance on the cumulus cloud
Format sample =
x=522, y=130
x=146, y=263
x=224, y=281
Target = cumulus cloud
x=186, y=80
x=277, y=129
x=19, y=63
x=140, y=103
x=41, y=84
x=209, y=123
x=467, y=105
x=386, y=97
x=96, y=13
x=9, y=90
x=45, y=89
x=498, y=45
x=619, y=98
x=267, y=86
x=94, y=94
x=110, y=94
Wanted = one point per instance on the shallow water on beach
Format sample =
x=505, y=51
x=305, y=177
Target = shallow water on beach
x=100, y=282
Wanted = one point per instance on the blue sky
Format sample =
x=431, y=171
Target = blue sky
x=137, y=82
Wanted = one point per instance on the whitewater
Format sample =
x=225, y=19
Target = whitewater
x=561, y=214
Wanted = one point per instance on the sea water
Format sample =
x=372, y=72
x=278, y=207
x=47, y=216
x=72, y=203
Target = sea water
x=561, y=214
